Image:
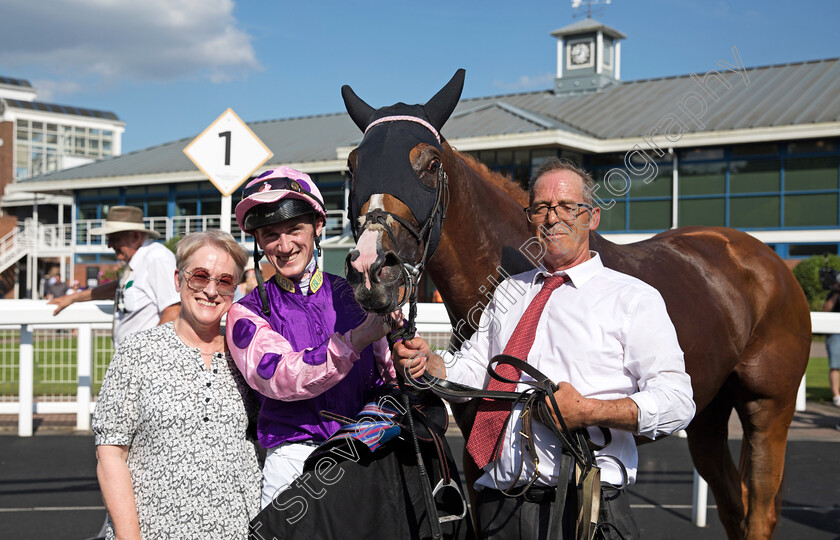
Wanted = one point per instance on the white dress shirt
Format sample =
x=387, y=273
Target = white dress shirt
x=608, y=335
x=147, y=287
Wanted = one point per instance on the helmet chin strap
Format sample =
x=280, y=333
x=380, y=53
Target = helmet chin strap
x=266, y=308
x=258, y=255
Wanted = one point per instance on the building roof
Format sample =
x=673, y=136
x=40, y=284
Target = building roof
x=798, y=94
x=55, y=108
x=587, y=25
x=15, y=82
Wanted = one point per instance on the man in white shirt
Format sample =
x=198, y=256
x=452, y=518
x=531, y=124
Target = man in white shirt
x=145, y=295
x=603, y=337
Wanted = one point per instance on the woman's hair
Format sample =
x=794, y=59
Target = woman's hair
x=188, y=245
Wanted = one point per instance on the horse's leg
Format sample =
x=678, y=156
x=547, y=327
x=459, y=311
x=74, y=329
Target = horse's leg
x=766, y=405
x=709, y=446
x=765, y=422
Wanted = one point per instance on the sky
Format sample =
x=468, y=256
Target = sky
x=168, y=68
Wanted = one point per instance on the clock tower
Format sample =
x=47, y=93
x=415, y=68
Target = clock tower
x=588, y=57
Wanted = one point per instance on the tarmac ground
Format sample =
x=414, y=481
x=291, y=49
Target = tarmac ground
x=48, y=486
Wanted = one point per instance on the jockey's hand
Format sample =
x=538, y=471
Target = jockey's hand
x=573, y=406
x=410, y=357
x=372, y=329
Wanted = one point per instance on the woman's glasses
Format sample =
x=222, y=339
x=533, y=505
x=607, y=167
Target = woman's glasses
x=200, y=278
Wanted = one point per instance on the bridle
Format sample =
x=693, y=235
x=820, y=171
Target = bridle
x=427, y=235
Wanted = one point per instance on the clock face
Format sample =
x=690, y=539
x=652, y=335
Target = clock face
x=580, y=53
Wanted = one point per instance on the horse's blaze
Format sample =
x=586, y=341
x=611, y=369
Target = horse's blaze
x=366, y=248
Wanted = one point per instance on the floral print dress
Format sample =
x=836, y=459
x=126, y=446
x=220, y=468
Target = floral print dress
x=194, y=473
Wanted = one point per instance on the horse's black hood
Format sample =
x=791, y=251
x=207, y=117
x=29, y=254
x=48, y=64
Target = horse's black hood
x=383, y=164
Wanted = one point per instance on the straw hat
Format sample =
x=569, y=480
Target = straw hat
x=124, y=218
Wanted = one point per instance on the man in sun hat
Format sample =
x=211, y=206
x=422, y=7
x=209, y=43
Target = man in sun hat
x=145, y=295
x=300, y=339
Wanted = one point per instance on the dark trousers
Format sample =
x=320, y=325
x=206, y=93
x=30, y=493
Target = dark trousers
x=527, y=518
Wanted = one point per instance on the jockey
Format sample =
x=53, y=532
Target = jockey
x=300, y=339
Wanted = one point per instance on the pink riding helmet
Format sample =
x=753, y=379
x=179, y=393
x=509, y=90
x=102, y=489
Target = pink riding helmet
x=260, y=204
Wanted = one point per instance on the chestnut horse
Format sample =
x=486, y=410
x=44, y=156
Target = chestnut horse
x=741, y=318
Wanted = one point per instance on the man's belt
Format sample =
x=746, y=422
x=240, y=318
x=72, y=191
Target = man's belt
x=578, y=448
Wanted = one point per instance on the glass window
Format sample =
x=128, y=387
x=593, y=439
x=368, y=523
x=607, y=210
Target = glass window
x=810, y=210
x=52, y=127
x=504, y=158
x=37, y=125
x=658, y=187
x=760, y=149
x=522, y=157
x=488, y=157
x=702, y=178
x=155, y=208
x=333, y=197
x=186, y=206
x=538, y=157
x=613, y=219
x=812, y=146
x=754, y=212
x=606, y=160
x=809, y=250
x=650, y=215
x=811, y=173
x=211, y=206
x=86, y=211
x=23, y=123
x=186, y=186
x=697, y=154
x=754, y=176
x=709, y=212
x=106, y=148
x=22, y=135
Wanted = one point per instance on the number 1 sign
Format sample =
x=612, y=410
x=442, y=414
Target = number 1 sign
x=227, y=152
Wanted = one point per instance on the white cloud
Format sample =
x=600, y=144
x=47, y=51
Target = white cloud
x=110, y=40
x=525, y=82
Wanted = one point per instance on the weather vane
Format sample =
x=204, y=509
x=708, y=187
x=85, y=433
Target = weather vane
x=576, y=5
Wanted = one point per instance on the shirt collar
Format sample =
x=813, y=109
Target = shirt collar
x=310, y=282
x=578, y=274
x=137, y=258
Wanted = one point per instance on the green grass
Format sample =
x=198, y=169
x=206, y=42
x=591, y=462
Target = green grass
x=816, y=380
x=42, y=350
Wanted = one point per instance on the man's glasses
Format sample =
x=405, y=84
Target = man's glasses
x=563, y=211
x=200, y=278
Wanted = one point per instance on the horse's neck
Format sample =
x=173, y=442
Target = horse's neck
x=484, y=229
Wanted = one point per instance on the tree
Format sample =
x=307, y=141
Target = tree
x=807, y=273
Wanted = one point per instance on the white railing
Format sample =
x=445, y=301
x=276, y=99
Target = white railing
x=13, y=246
x=82, y=321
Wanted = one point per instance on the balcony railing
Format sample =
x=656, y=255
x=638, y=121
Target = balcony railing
x=78, y=236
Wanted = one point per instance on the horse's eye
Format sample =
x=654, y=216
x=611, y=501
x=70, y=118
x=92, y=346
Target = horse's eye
x=433, y=166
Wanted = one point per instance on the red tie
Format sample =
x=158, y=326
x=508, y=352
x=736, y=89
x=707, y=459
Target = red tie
x=493, y=414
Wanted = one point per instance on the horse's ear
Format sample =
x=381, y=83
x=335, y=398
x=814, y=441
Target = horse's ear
x=443, y=103
x=359, y=111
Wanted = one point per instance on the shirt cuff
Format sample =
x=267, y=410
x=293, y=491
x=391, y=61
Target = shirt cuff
x=648, y=415
x=342, y=345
